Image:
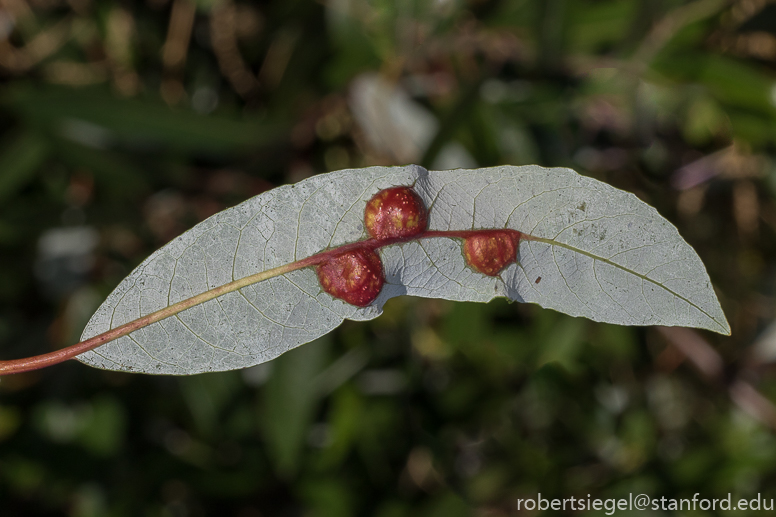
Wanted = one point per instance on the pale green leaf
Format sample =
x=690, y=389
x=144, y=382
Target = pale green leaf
x=595, y=252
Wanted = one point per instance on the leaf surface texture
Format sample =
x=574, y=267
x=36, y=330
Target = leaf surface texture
x=597, y=252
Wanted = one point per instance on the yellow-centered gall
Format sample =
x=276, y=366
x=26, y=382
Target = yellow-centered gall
x=490, y=251
x=354, y=276
x=396, y=212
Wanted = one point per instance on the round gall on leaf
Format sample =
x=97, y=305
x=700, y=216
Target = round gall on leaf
x=491, y=250
x=354, y=276
x=396, y=212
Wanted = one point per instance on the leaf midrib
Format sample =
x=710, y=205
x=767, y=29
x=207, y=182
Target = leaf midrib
x=552, y=242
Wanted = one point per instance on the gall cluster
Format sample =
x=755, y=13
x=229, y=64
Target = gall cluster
x=356, y=276
x=394, y=215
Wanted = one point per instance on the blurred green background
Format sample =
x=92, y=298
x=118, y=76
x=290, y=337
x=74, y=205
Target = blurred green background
x=124, y=124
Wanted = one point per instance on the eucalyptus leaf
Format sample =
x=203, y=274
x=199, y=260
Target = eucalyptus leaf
x=593, y=251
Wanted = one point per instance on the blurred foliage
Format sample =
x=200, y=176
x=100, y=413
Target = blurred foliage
x=124, y=124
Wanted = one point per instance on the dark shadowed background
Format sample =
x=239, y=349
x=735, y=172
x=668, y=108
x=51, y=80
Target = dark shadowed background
x=123, y=124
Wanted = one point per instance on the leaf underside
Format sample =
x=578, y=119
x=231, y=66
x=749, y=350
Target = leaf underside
x=597, y=252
